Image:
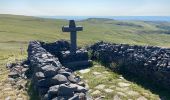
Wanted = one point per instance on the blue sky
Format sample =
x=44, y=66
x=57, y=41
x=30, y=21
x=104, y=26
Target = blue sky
x=86, y=7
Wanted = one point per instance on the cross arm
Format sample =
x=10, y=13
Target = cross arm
x=68, y=29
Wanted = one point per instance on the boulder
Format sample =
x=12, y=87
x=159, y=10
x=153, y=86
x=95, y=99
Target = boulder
x=59, y=79
x=79, y=88
x=49, y=70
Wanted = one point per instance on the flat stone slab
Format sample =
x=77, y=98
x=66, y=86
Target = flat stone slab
x=142, y=98
x=108, y=90
x=83, y=71
x=133, y=93
x=122, y=89
x=96, y=73
x=97, y=92
x=122, y=84
x=100, y=87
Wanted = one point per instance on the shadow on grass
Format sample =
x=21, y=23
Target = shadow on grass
x=146, y=83
x=149, y=85
x=31, y=92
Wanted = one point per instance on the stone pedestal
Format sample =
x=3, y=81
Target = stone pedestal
x=76, y=60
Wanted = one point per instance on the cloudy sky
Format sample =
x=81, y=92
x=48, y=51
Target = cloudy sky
x=86, y=7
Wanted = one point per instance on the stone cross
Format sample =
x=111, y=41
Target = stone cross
x=72, y=28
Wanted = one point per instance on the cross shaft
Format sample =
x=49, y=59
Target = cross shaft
x=72, y=28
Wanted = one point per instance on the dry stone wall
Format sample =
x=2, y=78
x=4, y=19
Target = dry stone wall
x=146, y=61
x=50, y=79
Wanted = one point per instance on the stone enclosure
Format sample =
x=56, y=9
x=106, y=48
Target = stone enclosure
x=148, y=62
x=52, y=65
x=50, y=78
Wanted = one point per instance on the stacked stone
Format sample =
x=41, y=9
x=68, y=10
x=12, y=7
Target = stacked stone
x=146, y=61
x=55, y=48
x=51, y=80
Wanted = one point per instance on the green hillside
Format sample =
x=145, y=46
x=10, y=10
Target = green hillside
x=17, y=31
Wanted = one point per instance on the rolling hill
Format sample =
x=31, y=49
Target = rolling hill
x=16, y=31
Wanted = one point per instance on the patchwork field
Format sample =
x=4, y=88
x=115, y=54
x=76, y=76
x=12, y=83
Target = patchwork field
x=17, y=31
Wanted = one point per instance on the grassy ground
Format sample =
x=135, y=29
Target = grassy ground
x=17, y=31
x=105, y=79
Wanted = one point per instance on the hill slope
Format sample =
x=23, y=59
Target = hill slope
x=17, y=31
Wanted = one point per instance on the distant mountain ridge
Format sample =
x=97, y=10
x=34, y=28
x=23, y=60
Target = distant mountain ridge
x=22, y=29
x=139, y=18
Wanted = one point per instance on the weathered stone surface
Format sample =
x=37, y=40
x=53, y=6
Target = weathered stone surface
x=59, y=79
x=49, y=70
x=79, y=88
x=72, y=79
x=39, y=75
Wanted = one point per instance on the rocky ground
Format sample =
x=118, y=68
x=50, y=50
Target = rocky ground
x=10, y=88
x=103, y=85
x=107, y=85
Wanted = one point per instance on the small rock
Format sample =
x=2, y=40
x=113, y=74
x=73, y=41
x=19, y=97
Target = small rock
x=7, y=89
x=122, y=89
x=19, y=99
x=100, y=87
x=84, y=71
x=49, y=70
x=59, y=79
x=97, y=92
x=81, y=84
x=8, y=98
x=116, y=97
x=79, y=88
x=108, y=90
x=132, y=93
x=122, y=84
x=13, y=75
x=122, y=94
x=39, y=75
x=72, y=79
x=105, y=72
x=121, y=77
x=142, y=98
x=82, y=96
x=96, y=73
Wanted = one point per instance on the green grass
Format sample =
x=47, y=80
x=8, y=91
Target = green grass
x=17, y=31
x=111, y=79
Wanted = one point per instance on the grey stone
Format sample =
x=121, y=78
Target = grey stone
x=49, y=70
x=59, y=79
x=79, y=88
x=72, y=79
x=75, y=97
x=44, y=83
x=73, y=31
x=39, y=75
x=13, y=74
x=65, y=90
